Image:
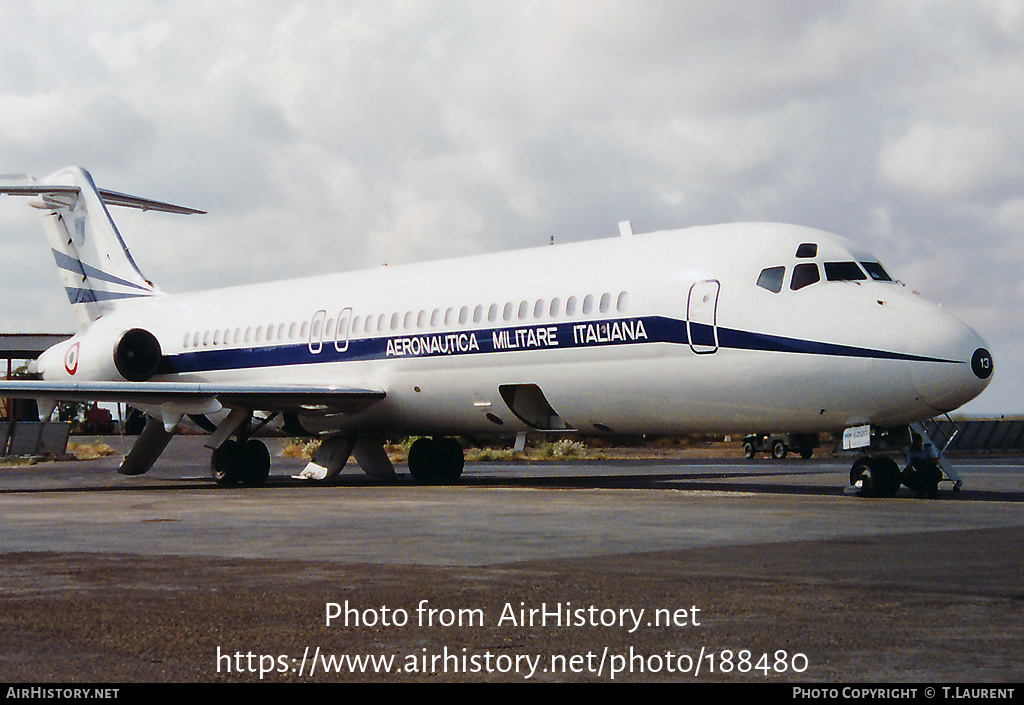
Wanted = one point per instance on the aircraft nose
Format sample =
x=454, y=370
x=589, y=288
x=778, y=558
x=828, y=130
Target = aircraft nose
x=960, y=366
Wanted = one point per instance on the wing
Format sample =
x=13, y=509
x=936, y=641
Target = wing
x=283, y=398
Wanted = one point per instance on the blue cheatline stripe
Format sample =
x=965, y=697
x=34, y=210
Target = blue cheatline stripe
x=556, y=336
x=76, y=266
x=746, y=340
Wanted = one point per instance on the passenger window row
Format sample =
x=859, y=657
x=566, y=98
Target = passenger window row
x=510, y=312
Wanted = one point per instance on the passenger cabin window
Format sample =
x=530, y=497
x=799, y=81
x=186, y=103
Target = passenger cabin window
x=876, y=272
x=804, y=275
x=807, y=249
x=771, y=278
x=620, y=303
x=843, y=272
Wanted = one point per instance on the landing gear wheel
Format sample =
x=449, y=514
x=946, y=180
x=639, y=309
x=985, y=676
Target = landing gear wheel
x=879, y=477
x=806, y=453
x=779, y=450
x=860, y=467
x=255, y=463
x=421, y=460
x=749, y=450
x=887, y=477
x=451, y=459
x=436, y=460
x=226, y=463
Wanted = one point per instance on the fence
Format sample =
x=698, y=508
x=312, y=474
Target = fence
x=34, y=438
x=990, y=434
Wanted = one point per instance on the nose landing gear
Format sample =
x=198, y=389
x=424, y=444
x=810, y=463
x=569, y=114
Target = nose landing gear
x=876, y=477
x=926, y=468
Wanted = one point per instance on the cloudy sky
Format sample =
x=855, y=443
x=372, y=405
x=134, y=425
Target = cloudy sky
x=325, y=136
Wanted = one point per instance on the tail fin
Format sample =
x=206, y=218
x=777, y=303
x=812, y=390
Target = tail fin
x=96, y=268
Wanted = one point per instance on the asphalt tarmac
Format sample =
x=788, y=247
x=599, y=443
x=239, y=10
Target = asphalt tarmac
x=626, y=571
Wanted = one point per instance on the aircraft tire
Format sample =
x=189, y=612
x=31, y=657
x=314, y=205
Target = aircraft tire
x=749, y=450
x=423, y=455
x=887, y=477
x=450, y=459
x=436, y=460
x=860, y=467
x=226, y=463
x=806, y=453
x=255, y=467
x=880, y=476
x=779, y=450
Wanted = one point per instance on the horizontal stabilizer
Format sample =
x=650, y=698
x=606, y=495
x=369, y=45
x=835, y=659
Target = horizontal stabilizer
x=109, y=198
x=113, y=198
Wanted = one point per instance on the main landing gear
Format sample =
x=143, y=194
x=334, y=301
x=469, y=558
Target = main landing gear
x=436, y=460
x=240, y=460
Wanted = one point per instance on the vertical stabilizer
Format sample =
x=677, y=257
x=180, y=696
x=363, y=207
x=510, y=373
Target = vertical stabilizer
x=95, y=266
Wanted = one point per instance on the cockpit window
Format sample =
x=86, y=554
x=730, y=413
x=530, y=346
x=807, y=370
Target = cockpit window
x=804, y=275
x=843, y=272
x=875, y=270
x=807, y=249
x=771, y=278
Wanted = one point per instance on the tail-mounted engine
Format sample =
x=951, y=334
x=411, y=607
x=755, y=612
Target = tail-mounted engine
x=133, y=355
x=137, y=355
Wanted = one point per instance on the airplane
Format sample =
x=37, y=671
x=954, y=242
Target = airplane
x=707, y=329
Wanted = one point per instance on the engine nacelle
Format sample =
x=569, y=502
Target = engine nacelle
x=137, y=355
x=133, y=355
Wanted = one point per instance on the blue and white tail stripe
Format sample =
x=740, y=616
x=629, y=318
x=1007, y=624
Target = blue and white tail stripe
x=85, y=293
x=96, y=268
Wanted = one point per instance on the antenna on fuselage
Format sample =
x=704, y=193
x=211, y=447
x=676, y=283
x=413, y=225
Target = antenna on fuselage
x=625, y=229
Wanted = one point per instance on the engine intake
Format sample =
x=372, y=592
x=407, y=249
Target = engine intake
x=137, y=355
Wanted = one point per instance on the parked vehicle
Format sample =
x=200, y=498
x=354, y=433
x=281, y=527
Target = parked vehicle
x=779, y=444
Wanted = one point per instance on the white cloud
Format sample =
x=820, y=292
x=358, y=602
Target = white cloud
x=942, y=161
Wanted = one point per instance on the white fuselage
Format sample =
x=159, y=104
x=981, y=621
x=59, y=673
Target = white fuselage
x=665, y=332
